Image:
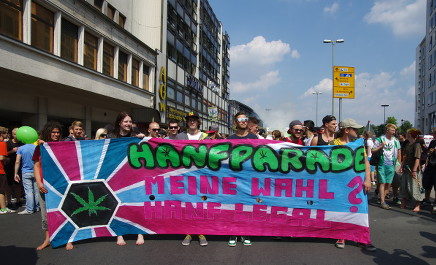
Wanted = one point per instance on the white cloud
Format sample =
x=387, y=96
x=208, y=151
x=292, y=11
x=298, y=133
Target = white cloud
x=323, y=86
x=261, y=52
x=404, y=17
x=409, y=70
x=331, y=9
x=263, y=83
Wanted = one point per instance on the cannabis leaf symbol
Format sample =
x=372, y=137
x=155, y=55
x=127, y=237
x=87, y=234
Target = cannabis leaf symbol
x=314, y=155
x=91, y=206
x=166, y=151
x=262, y=154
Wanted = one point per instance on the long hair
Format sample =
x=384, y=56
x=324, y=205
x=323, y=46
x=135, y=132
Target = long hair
x=45, y=134
x=118, y=120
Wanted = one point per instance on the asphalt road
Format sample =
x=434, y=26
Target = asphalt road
x=401, y=237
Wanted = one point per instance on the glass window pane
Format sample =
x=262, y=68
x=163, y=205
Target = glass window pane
x=187, y=100
x=69, y=39
x=90, y=51
x=170, y=92
x=108, y=59
x=135, y=72
x=42, y=28
x=11, y=17
x=122, y=66
x=146, y=77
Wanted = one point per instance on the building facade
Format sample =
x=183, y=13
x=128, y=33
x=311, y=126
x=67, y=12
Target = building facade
x=74, y=60
x=192, y=62
x=425, y=76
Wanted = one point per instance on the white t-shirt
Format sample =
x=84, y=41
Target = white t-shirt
x=194, y=136
x=369, y=146
x=390, y=149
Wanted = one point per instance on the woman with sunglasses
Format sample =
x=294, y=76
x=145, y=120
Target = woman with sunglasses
x=101, y=134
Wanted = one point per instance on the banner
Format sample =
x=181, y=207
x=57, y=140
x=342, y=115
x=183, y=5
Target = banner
x=212, y=187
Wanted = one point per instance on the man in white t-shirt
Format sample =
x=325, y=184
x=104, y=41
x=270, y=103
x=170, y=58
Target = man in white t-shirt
x=193, y=128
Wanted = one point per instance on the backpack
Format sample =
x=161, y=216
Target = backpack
x=376, y=157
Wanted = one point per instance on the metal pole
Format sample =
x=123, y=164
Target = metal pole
x=333, y=75
x=316, y=115
x=384, y=115
x=340, y=109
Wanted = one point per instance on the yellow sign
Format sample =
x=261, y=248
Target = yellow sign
x=343, y=82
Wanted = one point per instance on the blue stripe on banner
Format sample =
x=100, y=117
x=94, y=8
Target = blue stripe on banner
x=122, y=228
x=133, y=195
x=63, y=235
x=113, y=157
x=52, y=200
x=83, y=234
x=91, y=152
x=52, y=174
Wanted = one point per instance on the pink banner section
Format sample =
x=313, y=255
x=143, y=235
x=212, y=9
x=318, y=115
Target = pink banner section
x=175, y=217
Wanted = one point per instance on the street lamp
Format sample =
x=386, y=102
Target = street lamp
x=317, y=93
x=384, y=112
x=333, y=42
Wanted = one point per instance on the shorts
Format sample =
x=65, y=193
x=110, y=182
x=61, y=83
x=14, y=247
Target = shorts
x=386, y=174
x=372, y=168
x=3, y=184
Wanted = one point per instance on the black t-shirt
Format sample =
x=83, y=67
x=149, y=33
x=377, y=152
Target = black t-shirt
x=248, y=136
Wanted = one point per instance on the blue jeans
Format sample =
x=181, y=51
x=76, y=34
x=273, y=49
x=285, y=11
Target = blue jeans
x=31, y=191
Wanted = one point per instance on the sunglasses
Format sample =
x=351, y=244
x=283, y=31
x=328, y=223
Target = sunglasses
x=173, y=127
x=155, y=130
x=103, y=135
x=242, y=119
x=298, y=130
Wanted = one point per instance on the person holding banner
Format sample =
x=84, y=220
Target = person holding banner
x=348, y=131
x=123, y=128
x=242, y=132
x=173, y=130
x=51, y=132
x=329, y=124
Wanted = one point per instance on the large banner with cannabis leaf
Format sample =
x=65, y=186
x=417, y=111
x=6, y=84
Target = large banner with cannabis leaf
x=213, y=187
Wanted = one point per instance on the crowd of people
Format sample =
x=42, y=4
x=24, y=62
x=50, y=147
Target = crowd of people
x=397, y=162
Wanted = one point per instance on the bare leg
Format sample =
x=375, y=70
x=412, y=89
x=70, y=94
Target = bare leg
x=382, y=192
x=417, y=207
x=46, y=242
x=140, y=239
x=120, y=241
x=2, y=201
x=69, y=246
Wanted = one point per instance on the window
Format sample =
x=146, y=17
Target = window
x=98, y=4
x=187, y=100
x=11, y=17
x=122, y=66
x=69, y=40
x=110, y=11
x=121, y=20
x=108, y=59
x=42, y=27
x=179, y=96
x=90, y=51
x=170, y=92
x=135, y=72
x=146, y=77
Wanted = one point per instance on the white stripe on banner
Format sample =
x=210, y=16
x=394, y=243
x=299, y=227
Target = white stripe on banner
x=117, y=169
x=133, y=186
x=102, y=156
x=350, y=218
x=79, y=158
x=58, y=229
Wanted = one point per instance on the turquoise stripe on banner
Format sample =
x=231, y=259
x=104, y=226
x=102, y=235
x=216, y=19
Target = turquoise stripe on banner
x=91, y=152
x=122, y=228
x=133, y=195
x=52, y=200
x=63, y=235
x=116, y=152
x=83, y=234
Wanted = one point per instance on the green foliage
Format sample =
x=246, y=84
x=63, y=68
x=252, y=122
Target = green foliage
x=406, y=125
x=391, y=120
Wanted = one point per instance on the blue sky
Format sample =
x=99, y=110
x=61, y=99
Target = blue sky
x=278, y=58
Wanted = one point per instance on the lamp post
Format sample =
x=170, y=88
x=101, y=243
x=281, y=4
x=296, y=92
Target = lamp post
x=317, y=93
x=384, y=112
x=333, y=42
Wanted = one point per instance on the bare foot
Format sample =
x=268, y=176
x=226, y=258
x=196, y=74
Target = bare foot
x=69, y=246
x=120, y=241
x=43, y=245
x=140, y=239
x=416, y=209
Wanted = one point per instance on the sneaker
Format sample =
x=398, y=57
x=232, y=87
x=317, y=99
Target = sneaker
x=202, y=240
x=187, y=240
x=396, y=201
x=6, y=210
x=232, y=241
x=246, y=240
x=340, y=243
x=24, y=212
x=367, y=247
x=385, y=206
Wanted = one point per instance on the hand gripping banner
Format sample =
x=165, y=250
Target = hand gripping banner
x=212, y=187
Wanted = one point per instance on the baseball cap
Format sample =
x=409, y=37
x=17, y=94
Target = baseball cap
x=349, y=123
x=191, y=115
x=213, y=129
x=294, y=122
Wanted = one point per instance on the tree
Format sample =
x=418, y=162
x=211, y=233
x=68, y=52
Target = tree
x=406, y=125
x=391, y=120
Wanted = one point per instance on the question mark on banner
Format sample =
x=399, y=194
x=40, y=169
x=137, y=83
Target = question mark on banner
x=356, y=185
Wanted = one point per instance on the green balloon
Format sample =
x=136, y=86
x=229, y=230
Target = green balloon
x=27, y=134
